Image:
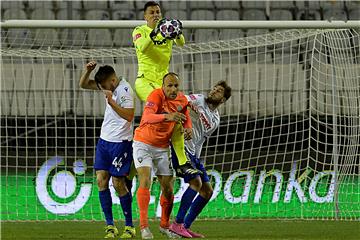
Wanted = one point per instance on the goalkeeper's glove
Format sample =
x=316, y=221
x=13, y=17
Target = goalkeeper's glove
x=180, y=26
x=156, y=30
x=187, y=169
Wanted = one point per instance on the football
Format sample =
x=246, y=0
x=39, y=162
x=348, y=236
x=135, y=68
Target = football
x=170, y=28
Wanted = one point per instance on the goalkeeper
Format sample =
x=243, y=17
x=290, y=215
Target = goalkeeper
x=205, y=120
x=154, y=54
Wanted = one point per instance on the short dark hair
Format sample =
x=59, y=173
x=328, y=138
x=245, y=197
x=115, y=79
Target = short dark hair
x=170, y=73
x=227, y=89
x=103, y=73
x=150, y=4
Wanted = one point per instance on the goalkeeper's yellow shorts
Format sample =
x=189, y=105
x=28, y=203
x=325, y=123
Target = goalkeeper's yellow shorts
x=143, y=88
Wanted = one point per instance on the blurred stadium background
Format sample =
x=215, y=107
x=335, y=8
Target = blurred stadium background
x=288, y=147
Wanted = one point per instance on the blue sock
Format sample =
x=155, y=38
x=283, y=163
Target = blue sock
x=125, y=202
x=195, y=209
x=106, y=205
x=185, y=204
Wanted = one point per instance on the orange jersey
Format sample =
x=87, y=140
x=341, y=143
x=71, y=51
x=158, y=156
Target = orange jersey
x=153, y=129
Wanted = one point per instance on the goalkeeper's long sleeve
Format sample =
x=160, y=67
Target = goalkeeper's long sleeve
x=141, y=39
x=180, y=41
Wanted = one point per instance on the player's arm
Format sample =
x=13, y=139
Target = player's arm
x=85, y=82
x=125, y=113
x=180, y=40
x=141, y=40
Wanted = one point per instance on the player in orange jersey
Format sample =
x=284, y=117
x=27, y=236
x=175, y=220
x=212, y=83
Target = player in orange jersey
x=165, y=107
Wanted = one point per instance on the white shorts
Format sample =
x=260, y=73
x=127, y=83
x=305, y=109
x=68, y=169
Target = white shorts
x=156, y=158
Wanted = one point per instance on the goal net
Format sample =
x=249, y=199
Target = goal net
x=288, y=145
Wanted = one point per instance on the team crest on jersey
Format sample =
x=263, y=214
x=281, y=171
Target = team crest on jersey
x=122, y=99
x=137, y=36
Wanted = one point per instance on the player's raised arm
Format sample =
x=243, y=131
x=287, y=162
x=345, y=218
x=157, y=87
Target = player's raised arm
x=180, y=40
x=85, y=82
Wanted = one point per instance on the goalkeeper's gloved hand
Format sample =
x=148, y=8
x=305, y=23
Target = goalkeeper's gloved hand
x=187, y=169
x=156, y=30
x=180, y=27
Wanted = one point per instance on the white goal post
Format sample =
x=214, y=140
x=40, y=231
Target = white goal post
x=289, y=141
x=194, y=24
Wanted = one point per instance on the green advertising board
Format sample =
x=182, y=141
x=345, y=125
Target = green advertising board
x=58, y=192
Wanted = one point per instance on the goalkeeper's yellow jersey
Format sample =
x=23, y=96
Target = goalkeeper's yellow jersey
x=153, y=57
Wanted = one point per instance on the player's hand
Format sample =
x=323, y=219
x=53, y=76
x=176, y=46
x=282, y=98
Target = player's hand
x=108, y=96
x=91, y=66
x=156, y=30
x=175, y=117
x=180, y=26
x=187, y=133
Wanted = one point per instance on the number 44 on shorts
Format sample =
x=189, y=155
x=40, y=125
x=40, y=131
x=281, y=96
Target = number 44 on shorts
x=117, y=162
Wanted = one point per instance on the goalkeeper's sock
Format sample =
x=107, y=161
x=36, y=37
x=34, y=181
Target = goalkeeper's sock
x=185, y=204
x=166, y=208
x=106, y=205
x=143, y=199
x=125, y=202
x=177, y=141
x=195, y=209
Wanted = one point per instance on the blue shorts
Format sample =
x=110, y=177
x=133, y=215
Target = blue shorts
x=114, y=157
x=195, y=162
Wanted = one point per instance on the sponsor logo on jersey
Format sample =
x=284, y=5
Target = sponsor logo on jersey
x=193, y=107
x=159, y=42
x=205, y=121
x=137, y=36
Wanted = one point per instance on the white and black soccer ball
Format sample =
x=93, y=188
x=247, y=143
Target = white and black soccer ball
x=170, y=28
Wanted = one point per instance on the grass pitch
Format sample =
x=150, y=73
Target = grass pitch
x=220, y=229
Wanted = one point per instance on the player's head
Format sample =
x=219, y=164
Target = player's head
x=152, y=13
x=170, y=85
x=219, y=94
x=106, y=78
